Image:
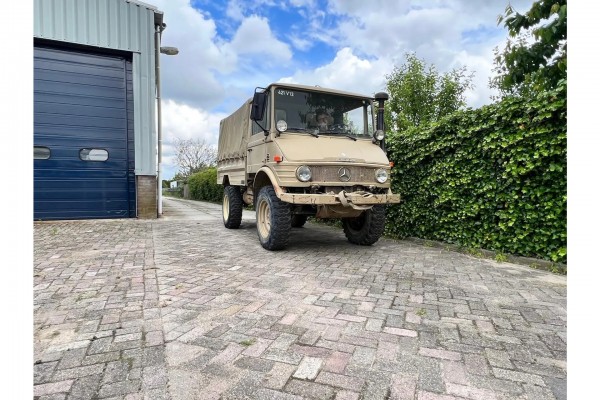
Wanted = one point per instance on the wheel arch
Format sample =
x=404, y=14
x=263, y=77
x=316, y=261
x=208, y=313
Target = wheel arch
x=265, y=177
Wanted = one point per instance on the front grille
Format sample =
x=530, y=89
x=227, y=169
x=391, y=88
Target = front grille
x=322, y=174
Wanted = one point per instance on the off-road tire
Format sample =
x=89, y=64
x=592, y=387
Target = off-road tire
x=273, y=220
x=299, y=220
x=367, y=228
x=233, y=206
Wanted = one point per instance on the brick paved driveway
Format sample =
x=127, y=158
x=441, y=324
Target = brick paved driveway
x=182, y=308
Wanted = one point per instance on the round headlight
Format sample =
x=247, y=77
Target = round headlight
x=281, y=125
x=303, y=173
x=381, y=175
x=379, y=134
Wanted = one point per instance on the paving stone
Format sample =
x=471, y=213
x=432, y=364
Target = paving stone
x=254, y=364
x=454, y=372
x=154, y=377
x=311, y=351
x=403, y=387
x=496, y=385
x=342, y=381
x=538, y=393
x=346, y=395
x=363, y=357
x=279, y=375
x=374, y=325
x=558, y=387
x=518, y=376
x=442, y=354
x=269, y=394
x=53, y=387
x=257, y=347
x=117, y=371
x=400, y=332
x=337, y=362
x=85, y=387
x=337, y=346
x=119, y=388
x=377, y=386
x=239, y=386
x=78, y=372
x=498, y=358
x=54, y=396
x=309, y=390
x=309, y=368
x=469, y=392
x=42, y=372
x=141, y=307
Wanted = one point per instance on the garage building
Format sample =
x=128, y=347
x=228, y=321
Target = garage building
x=95, y=136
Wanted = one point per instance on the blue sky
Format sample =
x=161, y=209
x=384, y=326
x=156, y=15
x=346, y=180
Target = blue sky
x=227, y=48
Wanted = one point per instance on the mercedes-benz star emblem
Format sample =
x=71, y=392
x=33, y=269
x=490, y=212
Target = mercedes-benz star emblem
x=344, y=174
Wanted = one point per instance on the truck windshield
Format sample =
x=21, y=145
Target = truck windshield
x=323, y=113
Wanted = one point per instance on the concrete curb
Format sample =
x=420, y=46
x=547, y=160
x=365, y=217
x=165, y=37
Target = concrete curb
x=536, y=263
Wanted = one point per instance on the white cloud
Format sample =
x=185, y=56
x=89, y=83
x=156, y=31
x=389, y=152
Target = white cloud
x=190, y=75
x=300, y=43
x=235, y=10
x=254, y=36
x=480, y=94
x=185, y=122
x=346, y=72
x=448, y=34
x=213, y=73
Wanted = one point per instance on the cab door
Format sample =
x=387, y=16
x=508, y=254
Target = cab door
x=257, y=142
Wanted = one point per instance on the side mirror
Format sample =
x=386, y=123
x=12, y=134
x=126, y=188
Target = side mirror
x=259, y=104
x=379, y=135
x=381, y=98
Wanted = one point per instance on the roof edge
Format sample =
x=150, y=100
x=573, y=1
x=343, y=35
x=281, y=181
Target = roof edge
x=158, y=15
x=320, y=89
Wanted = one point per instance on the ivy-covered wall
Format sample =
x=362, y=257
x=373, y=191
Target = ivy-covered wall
x=492, y=178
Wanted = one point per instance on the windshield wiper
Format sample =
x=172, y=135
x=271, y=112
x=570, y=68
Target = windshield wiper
x=312, y=132
x=342, y=134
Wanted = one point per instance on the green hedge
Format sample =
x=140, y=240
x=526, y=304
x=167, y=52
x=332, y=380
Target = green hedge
x=492, y=178
x=203, y=186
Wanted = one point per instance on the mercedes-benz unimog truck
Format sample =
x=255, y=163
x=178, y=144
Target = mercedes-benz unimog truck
x=295, y=151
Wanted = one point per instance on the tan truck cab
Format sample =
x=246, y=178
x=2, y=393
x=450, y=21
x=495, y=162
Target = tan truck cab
x=296, y=151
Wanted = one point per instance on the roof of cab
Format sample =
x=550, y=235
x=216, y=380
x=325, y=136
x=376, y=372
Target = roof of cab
x=318, y=89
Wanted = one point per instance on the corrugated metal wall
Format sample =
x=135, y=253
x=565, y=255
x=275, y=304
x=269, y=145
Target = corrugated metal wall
x=118, y=25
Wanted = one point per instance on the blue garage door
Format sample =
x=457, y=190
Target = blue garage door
x=83, y=135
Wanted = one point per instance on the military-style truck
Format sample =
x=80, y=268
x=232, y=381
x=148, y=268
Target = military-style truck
x=294, y=151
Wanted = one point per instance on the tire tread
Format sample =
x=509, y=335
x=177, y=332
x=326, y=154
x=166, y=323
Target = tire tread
x=236, y=207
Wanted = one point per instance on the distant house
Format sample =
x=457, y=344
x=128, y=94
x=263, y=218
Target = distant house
x=95, y=136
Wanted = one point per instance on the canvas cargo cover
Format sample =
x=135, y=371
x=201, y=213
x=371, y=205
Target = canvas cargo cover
x=233, y=133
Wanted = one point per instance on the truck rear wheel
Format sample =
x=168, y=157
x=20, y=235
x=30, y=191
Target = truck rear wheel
x=367, y=228
x=232, y=207
x=273, y=220
x=299, y=220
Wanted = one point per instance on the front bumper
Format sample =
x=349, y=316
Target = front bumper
x=342, y=198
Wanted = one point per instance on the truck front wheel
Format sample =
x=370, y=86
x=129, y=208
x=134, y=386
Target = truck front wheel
x=232, y=207
x=367, y=228
x=273, y=220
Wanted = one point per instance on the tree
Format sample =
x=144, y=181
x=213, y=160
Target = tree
x=535, y=56
x=194, y=155
x=420, y=95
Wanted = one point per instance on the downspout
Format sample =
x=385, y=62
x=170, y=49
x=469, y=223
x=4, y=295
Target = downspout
x=157, y=39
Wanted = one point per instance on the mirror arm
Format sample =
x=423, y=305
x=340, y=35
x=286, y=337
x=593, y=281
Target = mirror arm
x=266, y=132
